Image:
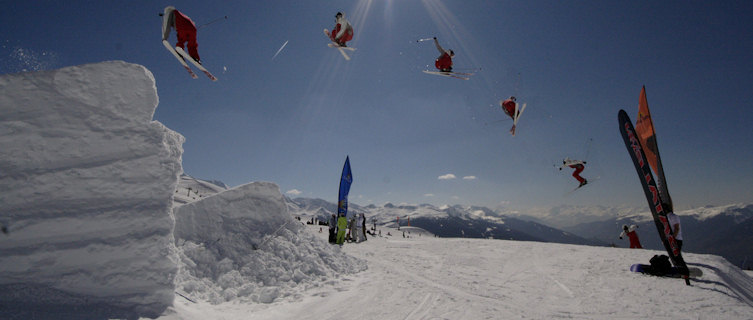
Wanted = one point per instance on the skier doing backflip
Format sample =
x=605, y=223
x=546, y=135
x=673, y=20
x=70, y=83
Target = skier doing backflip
x=444, y=61
x=185, y=30
x=632, y=236
x=578, y=166
x=343, y=31
x=509, y=107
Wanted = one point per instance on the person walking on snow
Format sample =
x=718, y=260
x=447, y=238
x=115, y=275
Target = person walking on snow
x=444, y=61
x=185, y=30
x=632, y=235
x=343, y=31
x=578, y=166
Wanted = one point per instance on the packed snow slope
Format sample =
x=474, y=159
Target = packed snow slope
x=242, y=245
x=452, y=278
x=87, y=180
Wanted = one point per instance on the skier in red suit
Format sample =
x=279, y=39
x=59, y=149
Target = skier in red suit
x=343, y=31
x=185, y=30
x=509, y=107
x=578, y=166
x=444, y=61
x=632, y=235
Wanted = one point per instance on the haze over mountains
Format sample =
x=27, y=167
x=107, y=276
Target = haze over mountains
x=723, y=230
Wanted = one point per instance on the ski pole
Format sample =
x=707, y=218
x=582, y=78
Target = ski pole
x=424, y=39
x=211, y=22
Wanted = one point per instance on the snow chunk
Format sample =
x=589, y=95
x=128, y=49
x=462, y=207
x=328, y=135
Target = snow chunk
x=87, y=181
x=243, y=244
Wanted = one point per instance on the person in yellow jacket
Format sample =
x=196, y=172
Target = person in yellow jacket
x=342, y=224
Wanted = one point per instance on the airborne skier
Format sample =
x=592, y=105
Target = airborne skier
x=444, y=61
x=578, y=166
x=185, y=30
x=510, y=106
x=343, y=31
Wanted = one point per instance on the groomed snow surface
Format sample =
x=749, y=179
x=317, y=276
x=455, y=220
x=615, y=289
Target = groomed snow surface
x=435, y=278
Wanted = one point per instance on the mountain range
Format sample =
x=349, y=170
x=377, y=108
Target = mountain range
x=722, y=230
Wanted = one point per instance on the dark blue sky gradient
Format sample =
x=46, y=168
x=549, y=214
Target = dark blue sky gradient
x=293, y=119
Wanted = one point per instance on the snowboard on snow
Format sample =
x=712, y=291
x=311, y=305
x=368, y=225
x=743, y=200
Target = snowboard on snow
x=674, y=272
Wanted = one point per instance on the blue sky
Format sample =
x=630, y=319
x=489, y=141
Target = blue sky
x=293, y=119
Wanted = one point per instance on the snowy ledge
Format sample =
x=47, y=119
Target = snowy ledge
x=87, y=180
x=87, y=183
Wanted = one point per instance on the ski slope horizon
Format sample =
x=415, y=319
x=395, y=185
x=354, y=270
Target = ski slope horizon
x=554, y=216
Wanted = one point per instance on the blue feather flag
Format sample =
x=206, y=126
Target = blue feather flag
x=345, y=180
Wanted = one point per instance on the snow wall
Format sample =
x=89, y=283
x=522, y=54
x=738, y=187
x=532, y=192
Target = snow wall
x=86, y=186
x=243, y=245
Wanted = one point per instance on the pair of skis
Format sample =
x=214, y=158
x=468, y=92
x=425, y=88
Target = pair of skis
x=338, y=46
x=182, y=56
x=456, y=75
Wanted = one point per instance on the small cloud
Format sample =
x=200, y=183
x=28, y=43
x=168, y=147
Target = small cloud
x=429, y=195
x=448, y=176
x=293, y=192
x=469, y=178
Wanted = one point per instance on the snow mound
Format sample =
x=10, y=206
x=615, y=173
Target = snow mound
x=243, y=244
x=87, y=180
x=191, y=189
